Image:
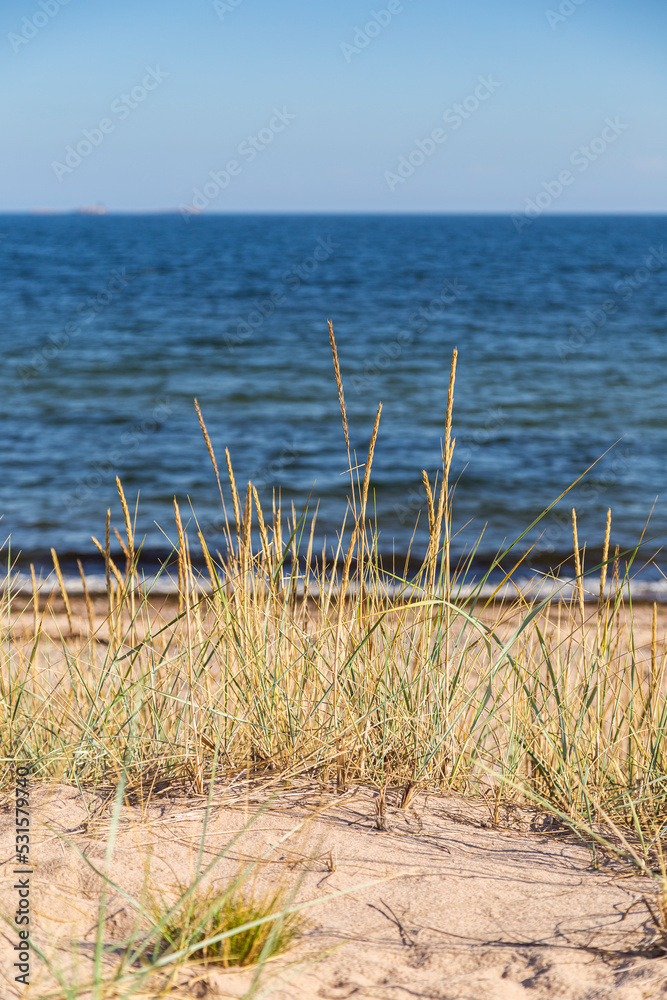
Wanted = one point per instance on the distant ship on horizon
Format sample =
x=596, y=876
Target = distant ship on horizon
x=98, y=209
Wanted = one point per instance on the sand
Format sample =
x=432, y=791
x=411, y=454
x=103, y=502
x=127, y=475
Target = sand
x=164, y=609
x=440, y=905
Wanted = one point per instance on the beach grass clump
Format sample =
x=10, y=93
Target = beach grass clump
x=175, y=933
x=230, y=930
x=277, y=662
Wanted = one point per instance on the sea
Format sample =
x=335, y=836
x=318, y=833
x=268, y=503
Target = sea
x=112, y=325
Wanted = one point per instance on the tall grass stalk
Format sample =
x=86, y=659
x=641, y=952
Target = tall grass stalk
x=341, y=668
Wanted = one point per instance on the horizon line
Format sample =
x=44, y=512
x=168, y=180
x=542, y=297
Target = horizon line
x=97, y=213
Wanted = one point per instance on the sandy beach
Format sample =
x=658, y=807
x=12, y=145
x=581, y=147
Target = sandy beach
x=333, y=616
x=443, y=904
x=164, y=609
x=434, y=895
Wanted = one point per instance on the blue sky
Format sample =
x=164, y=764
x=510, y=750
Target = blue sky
x=353, y=105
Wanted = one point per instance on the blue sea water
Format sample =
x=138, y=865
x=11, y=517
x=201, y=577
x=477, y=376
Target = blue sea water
x=112, y=325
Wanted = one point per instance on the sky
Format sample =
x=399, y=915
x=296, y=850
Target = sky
x=345, y=106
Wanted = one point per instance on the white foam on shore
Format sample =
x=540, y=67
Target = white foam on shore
x=534, y=588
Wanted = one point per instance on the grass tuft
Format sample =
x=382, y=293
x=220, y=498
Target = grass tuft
x=228, y=930
x=342, y=668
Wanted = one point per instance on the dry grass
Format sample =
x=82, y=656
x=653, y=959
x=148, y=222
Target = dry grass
x=172, y=932
x=351, y=674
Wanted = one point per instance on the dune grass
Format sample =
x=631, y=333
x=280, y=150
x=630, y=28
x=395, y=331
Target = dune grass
x=183, y=931
x=254, y=929
x=276, y=662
